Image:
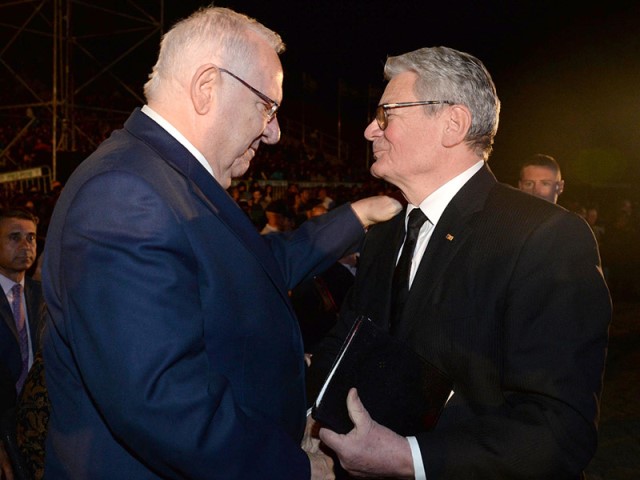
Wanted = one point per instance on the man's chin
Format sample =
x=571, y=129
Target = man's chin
x=242, y=163
x=374, y=170
x=240, y=168
x=24, y=265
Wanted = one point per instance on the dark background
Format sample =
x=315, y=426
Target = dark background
x=567, y=73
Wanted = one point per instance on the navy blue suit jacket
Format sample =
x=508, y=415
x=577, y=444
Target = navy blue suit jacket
x=174, y=351
x=510, y=302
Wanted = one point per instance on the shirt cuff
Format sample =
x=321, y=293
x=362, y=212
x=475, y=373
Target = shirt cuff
x=418, y=466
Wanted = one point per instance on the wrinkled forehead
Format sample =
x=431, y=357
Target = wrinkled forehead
x=401, y=88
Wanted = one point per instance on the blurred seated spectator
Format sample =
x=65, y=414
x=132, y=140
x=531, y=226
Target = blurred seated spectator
x=276, y=213
x=256, y=210
x=621, y=255
x=326, y=200
x=592, y=217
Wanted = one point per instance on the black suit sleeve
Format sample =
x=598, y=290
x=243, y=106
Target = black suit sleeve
x=552, y=349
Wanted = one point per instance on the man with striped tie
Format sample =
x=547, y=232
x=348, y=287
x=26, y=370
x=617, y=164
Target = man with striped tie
x=21, y=306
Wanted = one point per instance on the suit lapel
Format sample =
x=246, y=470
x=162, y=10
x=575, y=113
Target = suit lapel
x=451, y=233
x=7, y=315
x=34, y=302
x=207, y=189
x=34, y=313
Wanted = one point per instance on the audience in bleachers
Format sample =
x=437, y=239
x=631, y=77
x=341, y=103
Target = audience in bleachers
x=300, y=174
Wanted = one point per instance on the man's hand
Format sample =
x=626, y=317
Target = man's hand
x=311, y=441
x=307, y=359
x=321, y=466
x=370, y=449
x=6, y=472
x=375, y=209
x=321, y=463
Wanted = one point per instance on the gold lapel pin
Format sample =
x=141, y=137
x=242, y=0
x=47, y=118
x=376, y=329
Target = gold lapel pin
x=449, y=237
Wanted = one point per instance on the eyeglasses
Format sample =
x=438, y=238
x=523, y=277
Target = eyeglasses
x=272, y=105
x=381, y=111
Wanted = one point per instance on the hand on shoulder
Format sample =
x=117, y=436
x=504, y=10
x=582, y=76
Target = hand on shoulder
x=376, y=209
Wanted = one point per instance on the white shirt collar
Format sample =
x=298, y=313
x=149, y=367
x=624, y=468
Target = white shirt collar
x=433, y=206
x=173, y=131
x=7, y=284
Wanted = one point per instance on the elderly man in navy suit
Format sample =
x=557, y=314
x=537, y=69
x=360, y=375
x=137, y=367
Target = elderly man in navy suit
x=174, y=351
x=503, y=292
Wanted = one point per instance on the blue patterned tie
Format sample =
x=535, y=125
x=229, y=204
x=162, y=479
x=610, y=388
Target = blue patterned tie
x=21, y=327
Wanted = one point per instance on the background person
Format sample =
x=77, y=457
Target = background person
x=540, y=175
x=19, y=336
x=22, y=311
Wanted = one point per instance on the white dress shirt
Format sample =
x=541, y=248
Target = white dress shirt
x=173, y=131
x=433, y=206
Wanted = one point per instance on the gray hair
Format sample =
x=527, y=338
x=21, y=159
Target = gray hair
x=208, y=33
x=447, y=74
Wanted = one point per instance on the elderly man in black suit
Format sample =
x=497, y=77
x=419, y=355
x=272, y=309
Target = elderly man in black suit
x=503, y=292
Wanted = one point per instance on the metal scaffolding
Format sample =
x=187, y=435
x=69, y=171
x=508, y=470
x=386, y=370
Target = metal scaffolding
x=56, y=54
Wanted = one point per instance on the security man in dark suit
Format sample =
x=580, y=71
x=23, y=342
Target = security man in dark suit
x=21, y=311
x=19, y=329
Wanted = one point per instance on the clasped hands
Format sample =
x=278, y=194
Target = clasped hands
x=368, y=450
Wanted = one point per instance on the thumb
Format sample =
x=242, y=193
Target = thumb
x=357, y=413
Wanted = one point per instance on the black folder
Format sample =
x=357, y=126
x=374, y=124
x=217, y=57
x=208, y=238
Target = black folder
x=399, y=388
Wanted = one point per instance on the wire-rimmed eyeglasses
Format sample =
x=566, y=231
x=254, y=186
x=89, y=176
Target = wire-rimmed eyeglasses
x=381, y=110
x=272, y=105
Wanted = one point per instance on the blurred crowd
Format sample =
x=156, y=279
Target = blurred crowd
x=287, y=181
x=291, y=159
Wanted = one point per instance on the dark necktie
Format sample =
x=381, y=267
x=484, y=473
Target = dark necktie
x=400, y=285
x=21, y=327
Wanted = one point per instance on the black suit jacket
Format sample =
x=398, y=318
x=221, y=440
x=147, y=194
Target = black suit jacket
x=510, y=302
x=10, y=358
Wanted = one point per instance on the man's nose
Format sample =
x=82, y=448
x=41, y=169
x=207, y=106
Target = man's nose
x=271, y=134
x=372, y=130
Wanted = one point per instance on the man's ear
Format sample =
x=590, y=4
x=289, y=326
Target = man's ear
x=202, y=88
x=560, y=187
x=457, y=124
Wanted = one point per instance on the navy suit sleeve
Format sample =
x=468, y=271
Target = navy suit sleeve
x=316, y=244
x=134, y=322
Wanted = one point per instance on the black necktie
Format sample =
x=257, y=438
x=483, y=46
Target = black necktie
x=400, y=285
